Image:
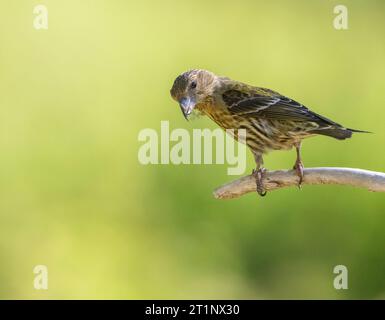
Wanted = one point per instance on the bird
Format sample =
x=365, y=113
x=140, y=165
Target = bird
x=272, y=121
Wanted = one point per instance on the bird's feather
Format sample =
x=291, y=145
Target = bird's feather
x=266, y=103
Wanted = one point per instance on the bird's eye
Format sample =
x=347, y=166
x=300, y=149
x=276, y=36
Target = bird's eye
x=193, y=85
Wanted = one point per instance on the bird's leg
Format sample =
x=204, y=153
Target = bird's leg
x=298, y=166
x=258, y=173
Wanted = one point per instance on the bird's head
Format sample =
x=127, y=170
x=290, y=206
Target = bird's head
x=192, y=88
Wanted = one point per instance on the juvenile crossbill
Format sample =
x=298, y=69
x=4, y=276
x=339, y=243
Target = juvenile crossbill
x=271, y=120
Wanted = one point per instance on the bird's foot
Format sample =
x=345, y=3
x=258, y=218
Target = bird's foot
x=298, y=167
x=258, y=174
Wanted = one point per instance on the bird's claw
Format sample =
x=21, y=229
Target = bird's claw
x=298, y=167
x=258, y=174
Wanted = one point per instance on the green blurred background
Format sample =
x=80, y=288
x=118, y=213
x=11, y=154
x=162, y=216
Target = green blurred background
x=73, y=196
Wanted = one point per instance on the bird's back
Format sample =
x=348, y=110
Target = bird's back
x=272, y=121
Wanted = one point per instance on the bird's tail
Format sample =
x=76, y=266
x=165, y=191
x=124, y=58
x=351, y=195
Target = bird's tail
x=338, y=132
x=359, y=131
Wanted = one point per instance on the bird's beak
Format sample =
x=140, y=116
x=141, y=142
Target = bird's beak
x=186, y=105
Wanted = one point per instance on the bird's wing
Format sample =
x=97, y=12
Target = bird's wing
x=261, y=102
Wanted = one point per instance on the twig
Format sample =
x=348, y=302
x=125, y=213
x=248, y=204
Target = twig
x=371, y=180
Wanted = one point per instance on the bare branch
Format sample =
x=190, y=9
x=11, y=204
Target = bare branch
x=371, y=180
